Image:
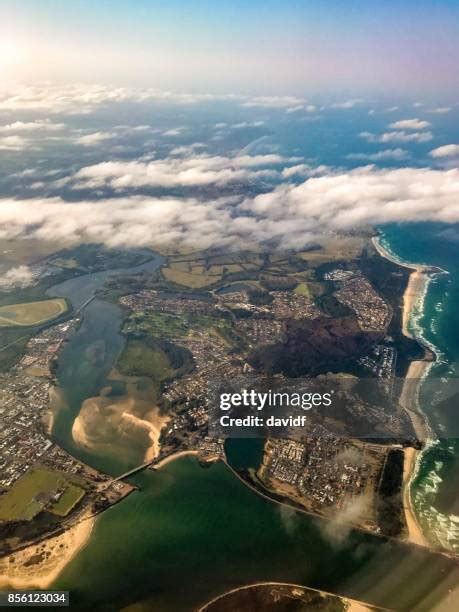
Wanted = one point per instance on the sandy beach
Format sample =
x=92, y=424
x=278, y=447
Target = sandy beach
x=415, y=291
x=163, y=462
x=416, y=285
x=415, y=533
x=38, y=565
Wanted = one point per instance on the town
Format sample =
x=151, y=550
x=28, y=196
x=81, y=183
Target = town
x=356, y=292
x=323, y=473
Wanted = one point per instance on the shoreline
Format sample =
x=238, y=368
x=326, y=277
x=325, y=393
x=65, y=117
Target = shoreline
x=354, y=604
x=170, y=458
x=415, y=292
x=55, y=554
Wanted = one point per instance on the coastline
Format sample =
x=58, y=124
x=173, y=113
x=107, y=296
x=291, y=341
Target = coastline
x=19, y=570
x=170, y=458
x=415, y=292
x=353, y=604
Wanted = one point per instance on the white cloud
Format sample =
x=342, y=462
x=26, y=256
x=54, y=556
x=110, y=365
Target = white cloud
x=295, y=109
x=293, y=215
x=441, y=110
x=174, y=131
x=13, y=143
x=194, y=171
x=304, y=170
x=386, y=154
x=397, y=136
x=186, y=150
x=450, y=150
x=20, y=276
x=84, y=98
x=30, y=126
x=346, y=200
x=274, y=102
x=308, y=108
x=246, y=124
x=89, y=140
x=347, y=103
x=409, y=124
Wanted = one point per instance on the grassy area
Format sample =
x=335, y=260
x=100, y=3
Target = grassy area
x=68, y=500
x=34, y=491
x=68, y=263
x=139, y=359
x=302, y=289
x=32, y=313
x=193, y=281
x=164, y=325
x=157, y=324
x=336, y=249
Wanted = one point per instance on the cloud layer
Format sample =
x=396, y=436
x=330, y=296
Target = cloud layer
x=194, y=171
x=290, y=215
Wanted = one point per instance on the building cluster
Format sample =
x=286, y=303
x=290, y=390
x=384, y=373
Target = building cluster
x=212, y=361
x=339, y=275
x=372, y=312
x=211, y=449
x=381, y=362
x=42, y=349
x=288, y=305
x=322, y=470
x=149, y=299
x=261, y=332
x=23, y=402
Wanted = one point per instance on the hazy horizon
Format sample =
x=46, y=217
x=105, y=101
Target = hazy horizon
x=393, y=49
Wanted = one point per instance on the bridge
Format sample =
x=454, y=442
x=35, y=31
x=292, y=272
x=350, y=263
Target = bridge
x=131, y=472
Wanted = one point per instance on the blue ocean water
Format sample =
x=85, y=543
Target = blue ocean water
x=436, y=320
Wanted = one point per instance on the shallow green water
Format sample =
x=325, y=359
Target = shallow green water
x=193, y=532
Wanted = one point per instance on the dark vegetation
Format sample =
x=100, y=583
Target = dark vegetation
x=155, y=358
x=314, y=347
x=390, y=502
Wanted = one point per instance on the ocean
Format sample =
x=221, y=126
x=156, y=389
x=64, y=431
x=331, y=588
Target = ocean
x=436, y=320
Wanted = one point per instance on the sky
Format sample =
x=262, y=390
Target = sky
x=225, y=124
x=314, y=47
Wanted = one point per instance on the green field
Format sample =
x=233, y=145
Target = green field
x=157, y=324
x=302, y=289
x=139, y=359
x=165, y=325
x=34, y=492
x=193, y=281
x=68, y=500
x=32, y=313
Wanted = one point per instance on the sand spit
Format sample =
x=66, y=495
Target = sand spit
x=163, y=462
